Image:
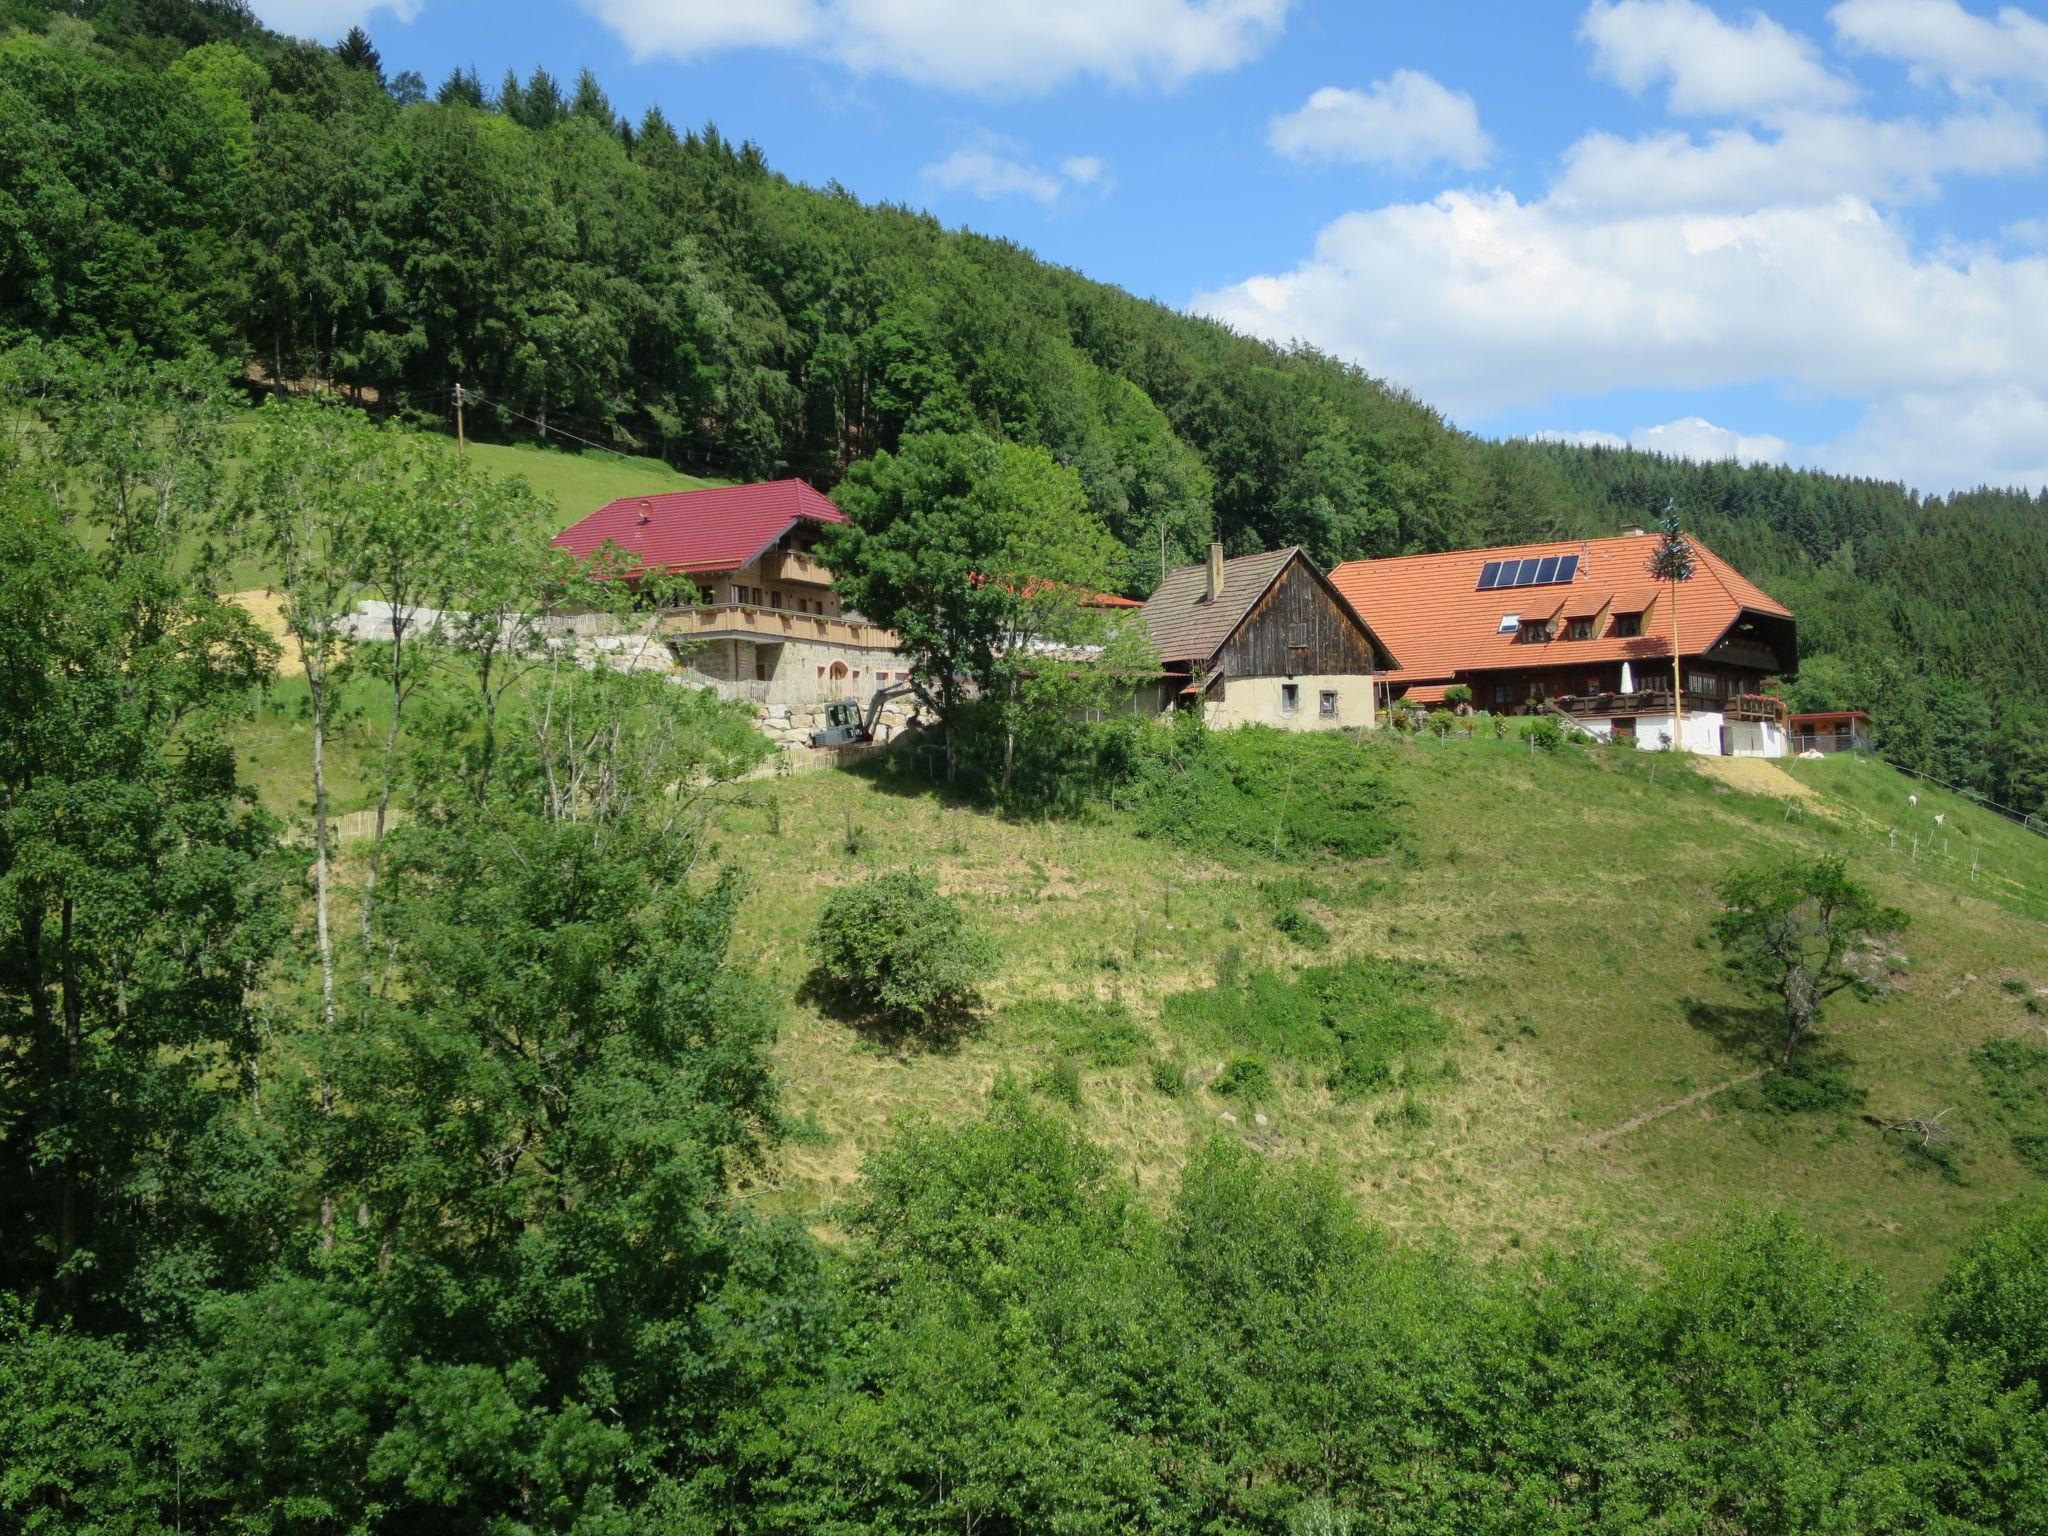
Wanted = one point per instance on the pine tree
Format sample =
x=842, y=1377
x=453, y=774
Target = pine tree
x=356, y=51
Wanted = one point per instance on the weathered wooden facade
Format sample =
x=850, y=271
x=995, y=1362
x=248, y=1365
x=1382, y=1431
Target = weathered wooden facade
x=1264, y=639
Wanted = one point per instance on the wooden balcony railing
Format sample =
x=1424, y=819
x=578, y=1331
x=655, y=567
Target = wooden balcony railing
x=1657, y=701
x=791, y=566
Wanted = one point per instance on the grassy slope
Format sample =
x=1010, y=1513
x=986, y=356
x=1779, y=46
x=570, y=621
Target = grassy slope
x=1560, y=900
x=576, y=482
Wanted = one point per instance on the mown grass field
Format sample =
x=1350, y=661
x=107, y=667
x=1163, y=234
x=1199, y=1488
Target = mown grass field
x=1557, y=903
x=575, y=482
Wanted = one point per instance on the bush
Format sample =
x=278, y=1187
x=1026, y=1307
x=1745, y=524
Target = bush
x=1061, y=1082
x=1458, y=696
x=1350, y=1020
x=895, y=948
x=1246, y=1078
x=1260, y=790
x=1542, y=733
x=1500, y=727
x=1807, y=1084
x=1441, y=721
x=1169, y=1074
x=1304, y=930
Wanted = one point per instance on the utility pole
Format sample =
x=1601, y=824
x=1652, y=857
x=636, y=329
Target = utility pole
x=1162, y=549
x=461, y=447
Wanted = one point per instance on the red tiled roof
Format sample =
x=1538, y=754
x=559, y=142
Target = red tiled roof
x=1430, y=611
x=1583, y=605
x=717, y=529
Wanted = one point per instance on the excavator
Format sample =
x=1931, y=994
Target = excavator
x=847, y=726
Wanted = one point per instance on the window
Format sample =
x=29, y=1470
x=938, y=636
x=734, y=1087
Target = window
x=1290, y=698
x=1534, y=633
x=1297, y=637
x=739, y=594
x=1328, y=704
x=1627, y=625
x=774, y=599
x=1509, y=623
x=1579, y=629
x=1500, y=693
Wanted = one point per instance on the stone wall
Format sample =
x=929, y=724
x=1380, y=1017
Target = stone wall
x=789, y=726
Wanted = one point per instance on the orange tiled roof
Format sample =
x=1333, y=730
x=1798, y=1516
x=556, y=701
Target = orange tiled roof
x=1431, y=613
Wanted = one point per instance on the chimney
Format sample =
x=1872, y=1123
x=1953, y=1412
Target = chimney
x=1215, y=572
x=1632, y=530
x=646, y=508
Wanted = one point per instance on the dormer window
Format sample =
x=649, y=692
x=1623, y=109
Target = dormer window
x=1535, y=632
x=1627, y=625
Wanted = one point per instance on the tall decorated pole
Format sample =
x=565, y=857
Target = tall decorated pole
x=1672, y=561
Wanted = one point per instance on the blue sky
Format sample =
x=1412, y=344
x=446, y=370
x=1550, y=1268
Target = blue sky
x=1813, y=232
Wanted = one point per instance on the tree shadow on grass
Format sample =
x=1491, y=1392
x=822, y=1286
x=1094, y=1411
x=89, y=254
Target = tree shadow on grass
x=905, y=1037
x=1748, y=1032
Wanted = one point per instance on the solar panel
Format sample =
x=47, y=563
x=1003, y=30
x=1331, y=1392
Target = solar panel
x=1568, y=568
x=1546, y=571
x=1489, y=575
x=1537, y=571
x=1526, y=576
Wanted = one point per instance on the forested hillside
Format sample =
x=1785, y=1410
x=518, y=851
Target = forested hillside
x=174, y=177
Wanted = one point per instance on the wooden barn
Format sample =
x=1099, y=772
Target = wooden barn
x=1264, y=639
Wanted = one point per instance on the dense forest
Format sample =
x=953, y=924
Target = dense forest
x=176, y=178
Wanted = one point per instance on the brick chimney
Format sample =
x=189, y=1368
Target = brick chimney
x=1215, y=572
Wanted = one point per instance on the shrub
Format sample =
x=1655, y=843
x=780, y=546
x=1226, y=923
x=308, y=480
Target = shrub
x=1169, y=1074
x=1441, y=721
x=1304, y=930
x=1810, y=1083
x=1458, y=696
x=1542, y=733
x=1246, y=1078
x=1061, y=1082
x=2031, y=1148
x=1265, y=791
x=1351, y=1020
x=895, y=948
x=1500, y=727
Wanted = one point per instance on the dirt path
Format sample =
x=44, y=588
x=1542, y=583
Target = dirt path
x=267, y=609
x=1597, y=1139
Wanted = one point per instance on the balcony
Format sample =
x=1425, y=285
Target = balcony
x=793, y=566
x=770, y=626
x=1656, y=701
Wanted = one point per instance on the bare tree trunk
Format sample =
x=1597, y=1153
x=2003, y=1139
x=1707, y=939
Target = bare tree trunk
x=376, y=859
x=316, y=688
x=67, y=1185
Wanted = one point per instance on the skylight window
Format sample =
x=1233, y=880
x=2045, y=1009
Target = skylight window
x=1509, y=623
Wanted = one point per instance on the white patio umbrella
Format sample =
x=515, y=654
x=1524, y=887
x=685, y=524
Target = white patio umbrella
x=1628, y=679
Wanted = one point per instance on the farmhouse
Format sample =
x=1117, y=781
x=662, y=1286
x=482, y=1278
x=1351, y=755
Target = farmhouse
x=767, y=626
x=1582, y=629
x=1263, y=639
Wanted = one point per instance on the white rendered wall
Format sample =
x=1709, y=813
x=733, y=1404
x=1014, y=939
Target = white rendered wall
x=1256, y=701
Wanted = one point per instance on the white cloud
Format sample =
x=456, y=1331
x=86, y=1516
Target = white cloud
x=1694, y=437
x=998, y=47
x=1509, y=303
x=326, y=20
x=1948, y=440
x=1690, y=437
x=991, y=169
x=1407, y=122
x=1712, y=67
x=1815, y=156
x=1939, y=37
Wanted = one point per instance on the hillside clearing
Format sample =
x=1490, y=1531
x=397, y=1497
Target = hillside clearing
x=1556, y=900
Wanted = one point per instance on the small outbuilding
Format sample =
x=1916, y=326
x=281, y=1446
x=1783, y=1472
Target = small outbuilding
x=1263, y=639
